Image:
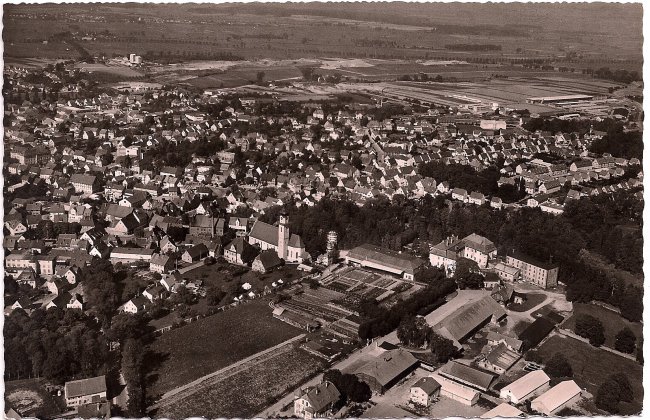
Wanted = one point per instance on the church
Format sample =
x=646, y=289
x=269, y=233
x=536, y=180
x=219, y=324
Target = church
x=289, y=247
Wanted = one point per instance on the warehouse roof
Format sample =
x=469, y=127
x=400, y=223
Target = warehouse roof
x=388, y=366
x=467, y=318
x=391, y=259
x=503, y=410
x=467, y=374
x=558, y=395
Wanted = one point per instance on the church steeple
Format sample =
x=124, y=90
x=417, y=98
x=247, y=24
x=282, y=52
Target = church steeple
x=283, y=236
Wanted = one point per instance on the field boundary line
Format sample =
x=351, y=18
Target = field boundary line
x=199, y=381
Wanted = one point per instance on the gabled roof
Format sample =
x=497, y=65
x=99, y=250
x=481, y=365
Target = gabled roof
x=85, y=386
x=265, y=232
x=427, y=384
x=527, y=384
x=388, y=365
x=558, y=395
x=467, y=374
x=321, y=396
x=503, y=410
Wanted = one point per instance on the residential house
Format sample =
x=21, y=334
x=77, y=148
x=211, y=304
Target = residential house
x=85, y=391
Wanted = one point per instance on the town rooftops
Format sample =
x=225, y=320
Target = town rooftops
x=86, y=386
x=467, y=375
x=132, y=251
x=83, y=179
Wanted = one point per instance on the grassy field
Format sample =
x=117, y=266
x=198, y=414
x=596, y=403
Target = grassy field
x=612, y=322
x=248, y=392
x=185, y=354
x=227, y=277
x=30, y=398
x=592, y=366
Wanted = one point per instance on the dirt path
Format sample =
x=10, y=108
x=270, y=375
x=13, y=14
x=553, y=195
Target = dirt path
x=182, y=392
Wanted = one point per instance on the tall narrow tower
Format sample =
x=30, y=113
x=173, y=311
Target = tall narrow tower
x=283, y=236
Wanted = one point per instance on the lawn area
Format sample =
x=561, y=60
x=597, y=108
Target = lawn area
x=228, y=277
x=592, y=366
x=250, y=391
x=532, y=300
x=187, y=353
x=30, y=398
x=612, y=322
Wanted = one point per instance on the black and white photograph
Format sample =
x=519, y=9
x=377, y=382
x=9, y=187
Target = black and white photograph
x=308, y=210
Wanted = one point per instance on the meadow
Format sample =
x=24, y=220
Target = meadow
x=209, y=344
x=591, y=367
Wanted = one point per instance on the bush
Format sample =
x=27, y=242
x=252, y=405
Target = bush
x=625, y=341
x=589, y=327
x=558, y=366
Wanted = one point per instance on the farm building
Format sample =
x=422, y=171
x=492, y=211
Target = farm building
x=455, y=391
x=424, y=390
x=503, y=410
x=384, y=260
x=295, y=319
x=466, y=320
x=556, y=398
x=317, y=401
x=85, y=391
x=467, y=375
x=512, y=343
x=525, y=387
x=499, y=359
x=536, y=332
x=387, y=369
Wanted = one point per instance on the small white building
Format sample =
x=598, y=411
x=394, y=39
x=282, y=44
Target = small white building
x=424, y=390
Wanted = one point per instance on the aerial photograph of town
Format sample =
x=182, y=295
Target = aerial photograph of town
x=322, y=210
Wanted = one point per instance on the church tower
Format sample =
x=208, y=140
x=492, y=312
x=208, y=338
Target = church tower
x=283, y=236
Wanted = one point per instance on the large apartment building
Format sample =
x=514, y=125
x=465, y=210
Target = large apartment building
x=533, y=271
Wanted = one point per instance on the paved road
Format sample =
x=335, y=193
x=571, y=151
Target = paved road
x=194, y=386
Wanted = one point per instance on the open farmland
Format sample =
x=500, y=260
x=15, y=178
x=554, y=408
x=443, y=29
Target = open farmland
x=612, y=322
x=211, y=343
x=591, y=367
x=248, y=391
